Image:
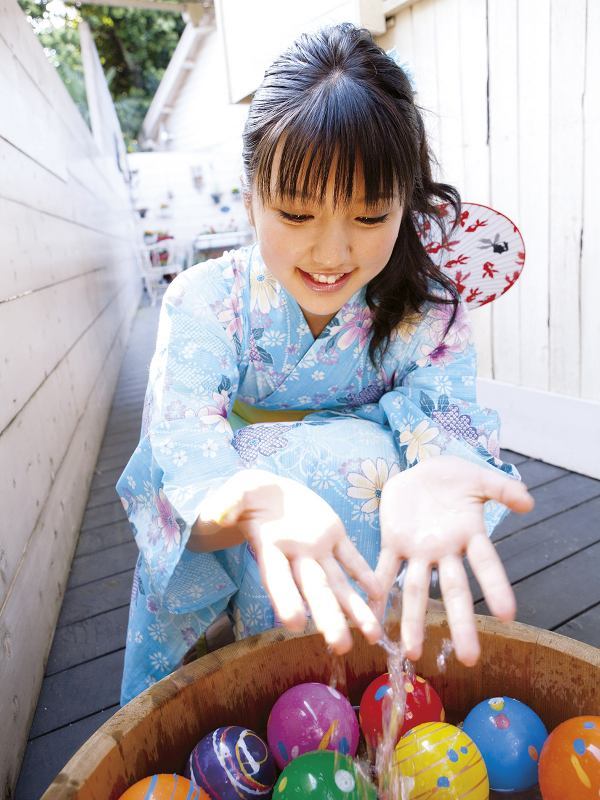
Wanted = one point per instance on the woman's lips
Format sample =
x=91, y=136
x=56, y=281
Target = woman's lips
x=316, y=286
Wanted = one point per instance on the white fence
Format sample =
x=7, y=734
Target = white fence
x=68, y=291
x=514, y=97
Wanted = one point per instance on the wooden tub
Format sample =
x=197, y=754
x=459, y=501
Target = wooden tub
x=558, y=677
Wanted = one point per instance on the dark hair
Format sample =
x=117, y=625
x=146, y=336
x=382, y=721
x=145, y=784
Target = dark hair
x=336, y=97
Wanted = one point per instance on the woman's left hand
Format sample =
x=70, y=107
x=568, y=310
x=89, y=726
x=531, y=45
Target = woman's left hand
x=432, y=514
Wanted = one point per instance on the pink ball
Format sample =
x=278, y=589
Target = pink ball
x=311, y=716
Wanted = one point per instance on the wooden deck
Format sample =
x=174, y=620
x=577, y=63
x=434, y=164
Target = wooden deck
x=552, y=557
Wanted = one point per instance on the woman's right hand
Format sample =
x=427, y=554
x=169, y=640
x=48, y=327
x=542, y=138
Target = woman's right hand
x=301, y=547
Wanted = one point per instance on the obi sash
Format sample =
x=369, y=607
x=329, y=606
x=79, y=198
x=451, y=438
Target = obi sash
x=244, y=414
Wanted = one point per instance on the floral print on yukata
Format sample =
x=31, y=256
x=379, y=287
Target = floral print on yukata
x=228, y=329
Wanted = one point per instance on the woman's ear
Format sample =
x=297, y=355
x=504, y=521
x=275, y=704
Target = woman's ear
x=247, y=198
x=248, y=206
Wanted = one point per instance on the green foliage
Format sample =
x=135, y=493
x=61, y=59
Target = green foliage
x=61, y=45
x=134, y=46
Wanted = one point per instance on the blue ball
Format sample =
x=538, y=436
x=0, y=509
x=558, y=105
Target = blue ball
x=510, y=736
x=232, y=763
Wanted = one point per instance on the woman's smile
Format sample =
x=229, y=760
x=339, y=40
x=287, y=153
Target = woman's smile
x=325, y=282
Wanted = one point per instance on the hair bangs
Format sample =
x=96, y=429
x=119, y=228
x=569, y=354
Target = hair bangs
x=334, y=128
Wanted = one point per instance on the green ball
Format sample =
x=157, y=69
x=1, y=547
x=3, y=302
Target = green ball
x=323, y=775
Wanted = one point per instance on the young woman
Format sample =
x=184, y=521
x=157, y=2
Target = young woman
x=311, y=413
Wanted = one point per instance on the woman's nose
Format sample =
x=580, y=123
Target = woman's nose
x=331, y=248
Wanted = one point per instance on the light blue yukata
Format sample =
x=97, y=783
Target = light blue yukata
x=229, y=330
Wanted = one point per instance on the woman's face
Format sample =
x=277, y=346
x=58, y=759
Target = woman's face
x=320, y=254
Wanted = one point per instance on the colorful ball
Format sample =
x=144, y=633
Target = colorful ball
x=164, y=787
x=570, y=761
x=311, y=716
x=232, y=763
x=423, y=704
x=510, y=736
x=325, y=776
x=438, y=758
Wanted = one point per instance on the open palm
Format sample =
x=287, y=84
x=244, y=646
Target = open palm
x=303, y=553
x=432, y=514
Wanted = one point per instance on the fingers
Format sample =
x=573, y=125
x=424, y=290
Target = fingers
x=459, y=608
x=351, y=603
x=415, y=594
x=508, y=491
x=325, y=609
x=357, y=567
x=278, y=580
x=385, y=573
x=487, y=568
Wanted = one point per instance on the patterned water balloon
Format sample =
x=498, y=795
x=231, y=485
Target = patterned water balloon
x=164, y=787
x=232, y=763
x=323, y=775
x=438, y=759
x=423, y=704
x=311, y=716
x=570, y=761
x=510, y=737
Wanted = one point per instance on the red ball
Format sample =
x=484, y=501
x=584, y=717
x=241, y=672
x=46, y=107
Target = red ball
x=423, y=704
x=569, y=767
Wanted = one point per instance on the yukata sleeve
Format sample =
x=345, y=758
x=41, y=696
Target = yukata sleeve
x=432, y=408
x=185, y=449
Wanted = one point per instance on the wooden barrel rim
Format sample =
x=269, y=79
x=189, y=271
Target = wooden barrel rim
x=124, y=721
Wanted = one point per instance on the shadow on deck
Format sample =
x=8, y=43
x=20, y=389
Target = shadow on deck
x=552, y=557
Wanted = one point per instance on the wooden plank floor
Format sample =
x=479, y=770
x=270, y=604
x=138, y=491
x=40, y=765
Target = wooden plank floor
x=552, y=557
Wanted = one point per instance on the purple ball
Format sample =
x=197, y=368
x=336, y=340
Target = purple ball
x=232, y=763
x=311, y=716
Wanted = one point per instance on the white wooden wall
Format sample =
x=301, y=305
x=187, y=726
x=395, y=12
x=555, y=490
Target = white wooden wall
x=513, y=97
x=68, y=291
x=203, y=117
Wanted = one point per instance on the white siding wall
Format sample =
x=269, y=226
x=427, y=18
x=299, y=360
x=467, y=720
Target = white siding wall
x=202, y=117
x=68, y=291
x=514, y=117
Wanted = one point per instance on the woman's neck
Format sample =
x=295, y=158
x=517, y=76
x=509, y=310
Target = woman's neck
x=317, y=322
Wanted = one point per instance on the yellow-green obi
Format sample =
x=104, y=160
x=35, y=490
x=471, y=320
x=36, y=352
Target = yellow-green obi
x=244, y=414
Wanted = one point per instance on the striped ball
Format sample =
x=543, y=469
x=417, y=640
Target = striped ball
x=232, y=763
x=439, y=758
x=164, y=787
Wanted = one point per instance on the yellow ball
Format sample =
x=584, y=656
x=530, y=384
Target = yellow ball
x=439, y=758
